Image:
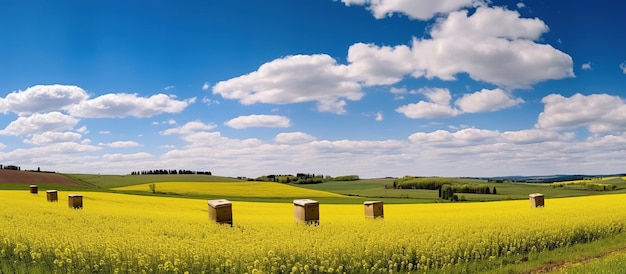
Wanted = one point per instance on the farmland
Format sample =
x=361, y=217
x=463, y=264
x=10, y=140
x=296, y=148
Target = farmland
x=169, y=231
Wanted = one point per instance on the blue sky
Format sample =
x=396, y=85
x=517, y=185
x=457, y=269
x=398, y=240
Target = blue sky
x=374, y=88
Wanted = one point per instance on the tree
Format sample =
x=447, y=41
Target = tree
x=494, y=190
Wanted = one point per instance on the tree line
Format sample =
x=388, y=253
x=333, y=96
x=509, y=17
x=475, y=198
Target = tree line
x=169, y=171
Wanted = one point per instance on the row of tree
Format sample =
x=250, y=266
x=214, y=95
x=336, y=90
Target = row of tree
x=10, y=167
x=169, y=171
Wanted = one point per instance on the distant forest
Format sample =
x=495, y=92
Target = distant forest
x=169, y=171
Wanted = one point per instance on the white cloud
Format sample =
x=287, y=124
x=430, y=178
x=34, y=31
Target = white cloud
x=422, y=10
x=438, y=107
x=121, y=144
x=206, y=86
x=532, y=136
x=379, y=116
x=39, y=123
x=42, y=98
x=50, y=137
x=294, y=138
x=586, y=66
x=474, y=137
x=126, y=157
x=487, y=100
x=375, y=65
x=492, y=45
x=189, y=128
x=128, y=105
x=521, y=5
x=83, y=130
x=295, y=79
x=599, y=113
x=258, y=121
x=622, y=66
x=169, y=87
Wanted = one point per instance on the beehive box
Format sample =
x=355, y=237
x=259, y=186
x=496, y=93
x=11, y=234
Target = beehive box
x=52, y=196
x=373, y=209
x=75, y=201
x=536, y=200
x=221, y=211
x=306, y=211
x=33, y=189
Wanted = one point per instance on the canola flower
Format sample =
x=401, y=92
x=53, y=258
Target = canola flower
x=240, y=189
x=117, y=233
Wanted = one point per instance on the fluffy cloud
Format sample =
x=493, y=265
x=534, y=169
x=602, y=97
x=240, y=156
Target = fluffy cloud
x=622, y=66
x=586, y=66
x=39, y=123
x=422, y=10
x=50, y=137
x=294, y=138
x=295, y=79
x=189, y=128
x=474, y=137
x=128, y=105
x=126, y=157
x=492, y=45
x=258, y=121
x=206, y=86
x=375, y=65
x=42, y=98
x=599, y=113
x=438, y=107
x=487, y=100
x=121, y=144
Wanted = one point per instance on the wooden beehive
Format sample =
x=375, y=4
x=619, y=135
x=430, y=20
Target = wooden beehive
x=536, y=200
x=221, y=211
x=306, y=211
x=374, y=209
x=33, y=189
x=52, y=196
x=75, y=201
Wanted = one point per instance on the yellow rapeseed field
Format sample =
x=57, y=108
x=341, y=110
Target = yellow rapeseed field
x=116, y=233
x=231, y=189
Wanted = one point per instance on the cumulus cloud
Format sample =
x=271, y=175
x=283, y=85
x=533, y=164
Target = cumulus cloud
x=599, y=113
x=586, y=66
x=41, y=99
x=206, y=86
x=121, y=144
x=126, y=157
x=50, y=137
x=374, y=65
x=622, y=66
x=422, y=10
x=39, y=123
x=189, y=128
x=258, y=121
x=294, y=138
x=379, y=116
x=487, y=100
x=473, y=137
x=128, y=105
x=493, y=45
x=438, y=107
x=520, y=5
x=295, y=79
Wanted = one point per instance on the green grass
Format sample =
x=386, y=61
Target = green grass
x=112, y=181
x=573, y=259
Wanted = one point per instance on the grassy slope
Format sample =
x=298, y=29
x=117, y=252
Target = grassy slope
x=111, y=181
